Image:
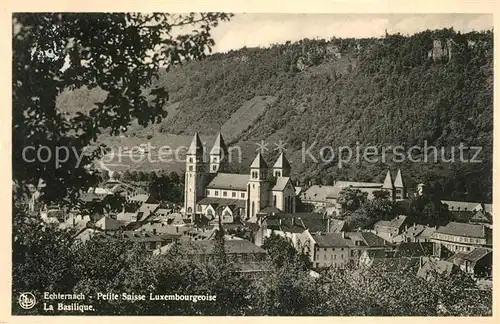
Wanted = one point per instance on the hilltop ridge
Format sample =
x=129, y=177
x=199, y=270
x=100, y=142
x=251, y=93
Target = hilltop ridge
x=434, y=86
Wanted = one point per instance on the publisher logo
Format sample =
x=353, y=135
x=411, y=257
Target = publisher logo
x=27, y=300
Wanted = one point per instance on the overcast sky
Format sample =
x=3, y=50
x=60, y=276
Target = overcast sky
x=254, y=30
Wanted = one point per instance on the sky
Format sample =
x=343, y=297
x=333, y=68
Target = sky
x=252, y=30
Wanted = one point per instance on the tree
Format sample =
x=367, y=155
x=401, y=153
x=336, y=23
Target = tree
x=428, y=211
x=126, y=176
x=328, y=180
x=282, y=252
x=351, y=199
x=380, y=207
x=174, y=177
x=141, y=176
x=119, y=53
x=104, y=176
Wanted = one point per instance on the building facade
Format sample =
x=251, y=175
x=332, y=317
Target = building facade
x=461, y=237
x=211, y=192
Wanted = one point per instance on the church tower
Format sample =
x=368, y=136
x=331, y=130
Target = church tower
x=258, y=187
x=282, y=167
x=195, y=175
x=399, y=186
x=389, y=185
x=218, y=155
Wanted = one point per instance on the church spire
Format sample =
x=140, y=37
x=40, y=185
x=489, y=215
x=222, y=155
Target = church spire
x=218, y=154
x=282, y=167
x=398, y=182
x=388, y=184
x=258, y=168
x=196, y=147
x=219, y=146
x=258, y=162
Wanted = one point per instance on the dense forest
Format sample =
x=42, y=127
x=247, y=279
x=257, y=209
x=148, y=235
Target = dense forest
x=434, y=87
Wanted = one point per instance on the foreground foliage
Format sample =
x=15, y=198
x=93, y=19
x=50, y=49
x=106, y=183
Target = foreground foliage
x=45, y=260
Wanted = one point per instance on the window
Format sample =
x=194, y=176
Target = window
x=214, y=167
x=242, y=195
x=208, y=192
x=253, y=186
x=224, y=194
x=216, y=192
x=233, y=194
x=190, y=160
x=199, y=208
x=334, y=256
x=190, y=168
x=324, y=249
x=274, y=200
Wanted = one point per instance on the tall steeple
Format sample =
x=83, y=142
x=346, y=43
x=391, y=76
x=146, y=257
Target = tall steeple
x=282, y=167
x=400, y=186
x=398, y=182
x=258, y=194
x=195, y=175
x=258, y=168
x=218, y=155
x=196, y=147
x=388, y=184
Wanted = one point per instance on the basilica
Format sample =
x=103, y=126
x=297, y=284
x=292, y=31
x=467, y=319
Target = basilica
x=211, y=192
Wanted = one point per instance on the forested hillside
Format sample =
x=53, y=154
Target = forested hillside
x=434, y=86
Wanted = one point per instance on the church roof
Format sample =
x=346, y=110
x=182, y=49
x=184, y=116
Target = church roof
x=219, y=146
x=229, y=181
x=218, y=202
x=398, y=182
x=357, y=184
x=282, y=162
x=388, y=181
x=258, y=162
x=320, y=192
x=281, y=183
x=196, y=147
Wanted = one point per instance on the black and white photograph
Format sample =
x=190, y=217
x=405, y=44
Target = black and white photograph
x=214, y=163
